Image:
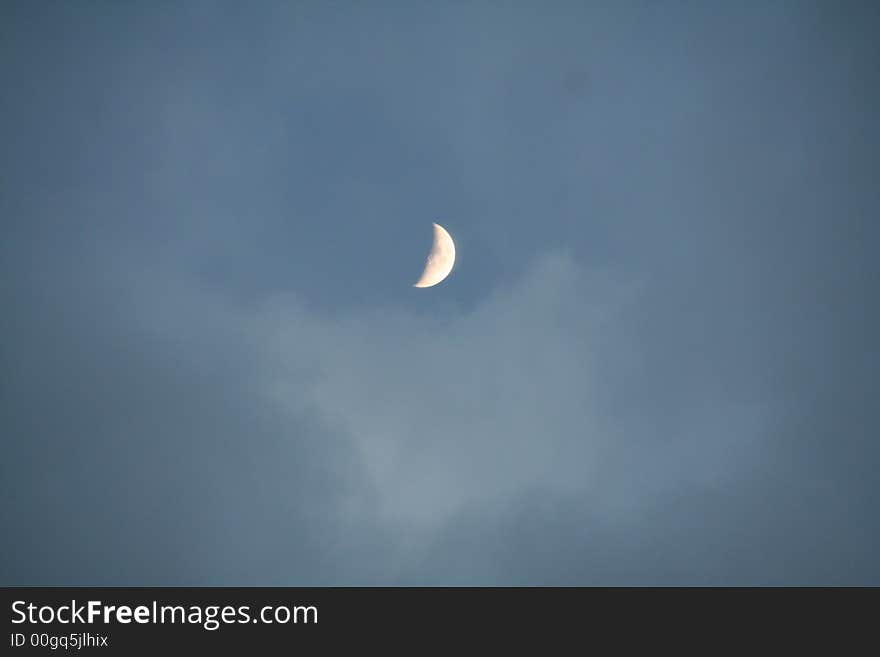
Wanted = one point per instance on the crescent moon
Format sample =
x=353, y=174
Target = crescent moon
x=440, y=259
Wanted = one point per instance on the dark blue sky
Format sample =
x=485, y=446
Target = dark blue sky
x=654, y=363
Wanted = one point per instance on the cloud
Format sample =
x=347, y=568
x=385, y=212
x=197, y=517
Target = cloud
x=503, y=443
x=454, y=414
x=448, y=412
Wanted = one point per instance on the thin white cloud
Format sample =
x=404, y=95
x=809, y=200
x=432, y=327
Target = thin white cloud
x=460, y=410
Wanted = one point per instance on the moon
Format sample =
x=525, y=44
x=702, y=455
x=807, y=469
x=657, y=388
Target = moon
x=440, y=259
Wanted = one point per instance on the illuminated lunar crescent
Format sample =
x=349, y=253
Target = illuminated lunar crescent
x=440, y=259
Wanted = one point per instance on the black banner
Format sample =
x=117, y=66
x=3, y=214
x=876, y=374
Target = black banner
x=129, y=620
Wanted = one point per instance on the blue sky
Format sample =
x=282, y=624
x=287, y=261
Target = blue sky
x=654, y=362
